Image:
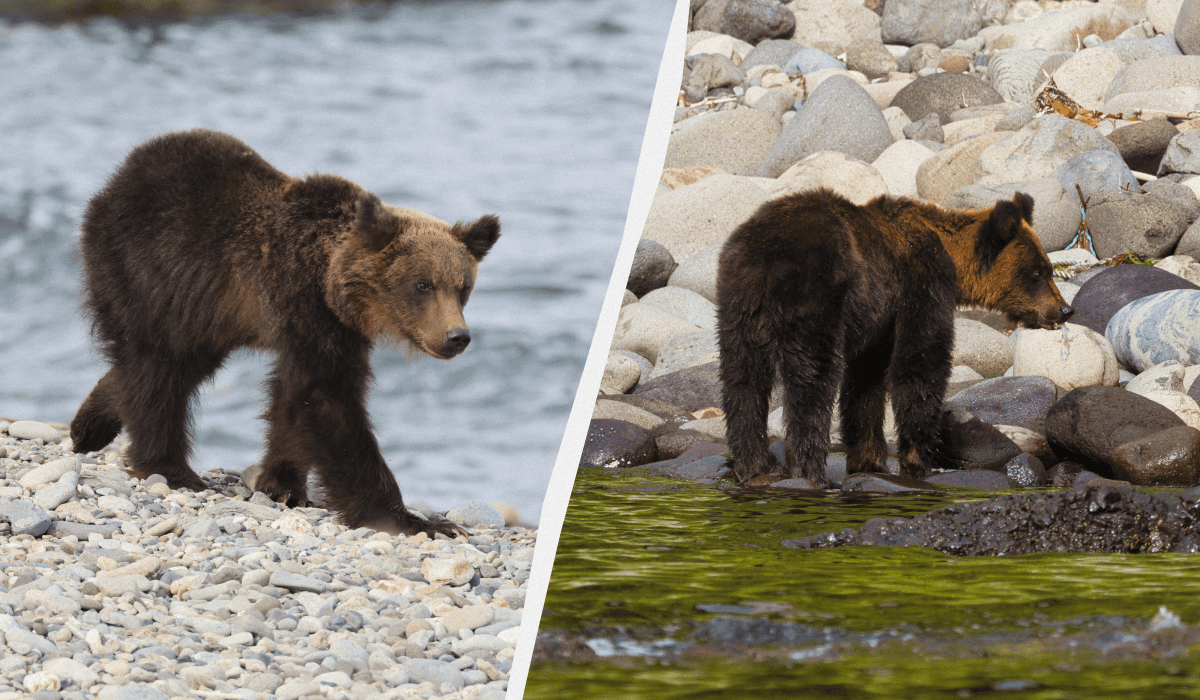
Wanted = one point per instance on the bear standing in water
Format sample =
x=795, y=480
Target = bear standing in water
x=197, y=246
x=823, y=293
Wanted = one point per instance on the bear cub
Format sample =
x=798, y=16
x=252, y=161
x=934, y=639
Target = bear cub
x=197, y=246
x=830, y=296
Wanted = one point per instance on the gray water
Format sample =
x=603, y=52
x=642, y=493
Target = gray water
x=531, y=110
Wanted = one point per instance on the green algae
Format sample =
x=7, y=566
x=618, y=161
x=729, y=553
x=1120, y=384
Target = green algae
x=653, y=558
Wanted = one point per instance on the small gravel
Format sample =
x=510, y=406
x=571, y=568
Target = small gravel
x=117, y=588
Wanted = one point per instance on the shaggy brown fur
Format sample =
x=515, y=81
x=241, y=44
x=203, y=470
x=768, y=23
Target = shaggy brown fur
x=197, y=246
x=823, y=293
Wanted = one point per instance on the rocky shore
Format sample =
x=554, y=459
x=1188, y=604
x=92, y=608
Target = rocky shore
x=1092, y=108
x=118, y=588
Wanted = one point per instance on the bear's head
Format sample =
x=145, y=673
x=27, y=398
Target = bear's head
x=406, y=276
x=1012, y=274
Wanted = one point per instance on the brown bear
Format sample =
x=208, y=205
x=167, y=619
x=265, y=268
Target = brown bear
x=823, y=293
x=197, y=246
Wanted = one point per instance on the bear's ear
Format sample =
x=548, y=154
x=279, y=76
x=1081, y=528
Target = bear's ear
x=374, y=225
x=478, y=236
x=1025, y=203
x=997, y=232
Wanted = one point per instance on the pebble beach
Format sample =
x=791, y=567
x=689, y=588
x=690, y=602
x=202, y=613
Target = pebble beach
x=118, y=588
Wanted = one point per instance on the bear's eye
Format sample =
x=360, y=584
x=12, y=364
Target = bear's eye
x=424, y=286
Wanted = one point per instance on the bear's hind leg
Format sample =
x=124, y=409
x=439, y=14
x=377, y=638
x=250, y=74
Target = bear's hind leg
x=747, y=372
x=863, y=402
x=98, y=421
x=809, y=355
x=156, y=402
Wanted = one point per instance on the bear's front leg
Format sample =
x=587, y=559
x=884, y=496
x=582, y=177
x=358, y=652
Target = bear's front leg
x=318, y=417
x=918, y=375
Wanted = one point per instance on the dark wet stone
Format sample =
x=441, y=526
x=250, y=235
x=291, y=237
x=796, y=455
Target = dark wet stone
x=753, y=21
x=704, y=449
x=984, y=479
x=652, y=267
x=1142, y=144
x=1089, y=422
x=1063, y=474
x=797, y=483
x=1167, y=458
x=617, y=443
x=1026, y=470
x=1022, y=401
x=1102, y=516
x=943, y=93
x=691, y=389
x=883, y=483
x=973, y=444
x=678, y=442
x=772, y=52
x=559, y=645
x=703, y=469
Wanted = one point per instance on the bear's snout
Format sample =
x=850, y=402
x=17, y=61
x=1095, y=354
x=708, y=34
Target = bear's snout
x=457, y=340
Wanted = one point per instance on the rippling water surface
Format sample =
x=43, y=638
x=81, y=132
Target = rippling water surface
x=532, y=110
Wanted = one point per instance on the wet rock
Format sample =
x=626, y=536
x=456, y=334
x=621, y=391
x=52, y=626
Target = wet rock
x=1064, y=474
x=736, y=141
x=883, y=483
x=797, y=483
x=614, y=443
x=1071, y=357
x=771, y=52
x=652, y=267
x=940, y=22
x=1113, y=287
x=983, y=479
x=691, y=389
x=694, y=217
x=1126, y=222
x=944, y=93
x=1142, y=144
x=1089, y=422
x=673, y=416
x=839, y=116
x=1158, y=328
x=849, y=177
x=753, y=21
x=1026, y=470
x=1021, y=401
x=974, y=444
x=1167, y=458
x=1096, y=171
x=708, y=469
x=1182, y=155
x=1037, y=149
x=677, y=443
x=1030, y=441
x=1055, y=209
x=1096, y=517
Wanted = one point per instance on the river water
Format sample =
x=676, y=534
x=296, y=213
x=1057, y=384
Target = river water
x=531, y=110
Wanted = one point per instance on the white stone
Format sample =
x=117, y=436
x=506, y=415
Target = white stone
x=455, y=571
x=1071, y=357
x=981, y=347
x=898, y=165
x=1086, y=75
x=33, y=430
x=849, y=177
x=618, y=410
x=49, y=472
x=58, y=493
x=644, y=328
x=1163, y=376
x=1180, y=403
x=621, y=373
x=962, y=373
